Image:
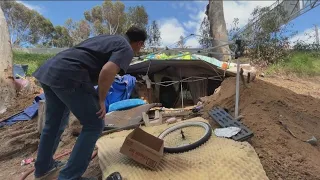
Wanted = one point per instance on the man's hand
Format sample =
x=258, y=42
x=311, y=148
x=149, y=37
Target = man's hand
x=106, y=78
x=102, y=112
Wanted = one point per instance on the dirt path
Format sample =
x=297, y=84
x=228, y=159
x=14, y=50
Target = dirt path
x=306, y=86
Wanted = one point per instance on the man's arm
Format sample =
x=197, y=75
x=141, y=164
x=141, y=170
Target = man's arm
x=106, y=78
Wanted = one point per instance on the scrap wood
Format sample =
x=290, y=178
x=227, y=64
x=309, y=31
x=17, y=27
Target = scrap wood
x=128, y=117
x=120, y=129
x=183, y=113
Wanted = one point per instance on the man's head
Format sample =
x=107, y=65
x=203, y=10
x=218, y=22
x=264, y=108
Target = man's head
x=137, y=37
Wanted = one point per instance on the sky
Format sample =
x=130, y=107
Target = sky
x=176, y=18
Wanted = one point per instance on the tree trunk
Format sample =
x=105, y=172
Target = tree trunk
x=7, y=88
x=218, y=28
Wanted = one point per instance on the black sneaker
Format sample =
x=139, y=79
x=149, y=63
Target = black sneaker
x=57, y=165
x=90, y=178
x=114, y=176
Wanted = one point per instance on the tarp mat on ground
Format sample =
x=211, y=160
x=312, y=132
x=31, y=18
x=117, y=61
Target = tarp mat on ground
x=27, y=114
x=218, y=158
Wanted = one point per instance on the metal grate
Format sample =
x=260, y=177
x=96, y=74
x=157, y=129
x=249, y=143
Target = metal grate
x=226, y=120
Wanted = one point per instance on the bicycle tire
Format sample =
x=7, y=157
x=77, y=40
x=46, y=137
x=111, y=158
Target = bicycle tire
x=202, y=140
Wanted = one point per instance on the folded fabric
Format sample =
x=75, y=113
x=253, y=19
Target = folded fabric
x=227, y=132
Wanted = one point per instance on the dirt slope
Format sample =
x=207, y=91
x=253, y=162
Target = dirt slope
x=264, y=106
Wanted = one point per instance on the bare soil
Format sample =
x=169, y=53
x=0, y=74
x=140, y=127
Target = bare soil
x=264, y=107
x=268, y=105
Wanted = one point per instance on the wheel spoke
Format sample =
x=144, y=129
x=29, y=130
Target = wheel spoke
x=185, y=136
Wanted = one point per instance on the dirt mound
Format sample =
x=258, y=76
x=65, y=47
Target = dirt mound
x=267, y=111
x=21, y=138
x=18, y=140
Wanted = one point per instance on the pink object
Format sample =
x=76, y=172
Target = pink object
x=21, y=84
x=171, y=120
x=27, y=161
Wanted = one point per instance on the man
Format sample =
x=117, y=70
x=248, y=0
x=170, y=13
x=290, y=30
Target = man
x=68, y=81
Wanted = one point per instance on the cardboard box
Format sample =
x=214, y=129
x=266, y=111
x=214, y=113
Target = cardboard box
x=143, y=147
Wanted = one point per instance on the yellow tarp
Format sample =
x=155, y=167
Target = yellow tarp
x=217, y=159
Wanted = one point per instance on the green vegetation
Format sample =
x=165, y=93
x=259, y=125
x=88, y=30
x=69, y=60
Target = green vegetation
x=300, y=63
x=31, y=59
x=28, y=27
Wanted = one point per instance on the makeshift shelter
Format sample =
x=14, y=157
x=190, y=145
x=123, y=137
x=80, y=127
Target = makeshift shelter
x=179, y=79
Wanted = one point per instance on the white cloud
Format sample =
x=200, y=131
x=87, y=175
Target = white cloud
x=232, y=10
x=241, y=10
x=307, y=36
x=171, y=30
x=192, y=43
x=39, y=9
x=190, y=24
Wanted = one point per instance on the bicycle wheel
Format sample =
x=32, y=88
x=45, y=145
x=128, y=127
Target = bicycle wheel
x=185, y=136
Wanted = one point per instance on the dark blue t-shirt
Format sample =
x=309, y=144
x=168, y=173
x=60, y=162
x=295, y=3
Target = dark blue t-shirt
x=81, y=64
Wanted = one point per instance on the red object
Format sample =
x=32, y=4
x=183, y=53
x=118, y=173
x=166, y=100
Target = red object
x=27, y=161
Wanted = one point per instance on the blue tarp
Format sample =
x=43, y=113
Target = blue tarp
x=27, y=114
x=125, y=104
x=120, y=89
x=19, y=70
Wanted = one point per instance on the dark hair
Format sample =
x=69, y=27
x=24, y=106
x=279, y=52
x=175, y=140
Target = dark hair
x=136, y=34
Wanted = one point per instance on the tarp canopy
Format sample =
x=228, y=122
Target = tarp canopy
x=187, y=67
x=184, y=56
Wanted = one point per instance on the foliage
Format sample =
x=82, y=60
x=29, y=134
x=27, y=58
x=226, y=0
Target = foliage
x=306, y=47
x=34, y=61
x=205, y=39
x=234, y=29
x=154, y=35
x=111, y=18
x=268, y=38
x=29, y=28
x=26, y=26
x=302, y=46
x=302, y=63
x=61, y=37
x=78, y=31
x=106, y=18
x=136, y=16
x=181, y=42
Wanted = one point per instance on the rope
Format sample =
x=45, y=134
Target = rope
x=148, y=67
x=163, y=83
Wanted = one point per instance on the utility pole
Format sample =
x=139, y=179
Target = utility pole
x=317, y=34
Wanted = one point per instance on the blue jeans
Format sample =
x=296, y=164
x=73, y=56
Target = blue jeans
x=84, y=105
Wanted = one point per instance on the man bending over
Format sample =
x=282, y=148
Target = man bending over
x=68, y=81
